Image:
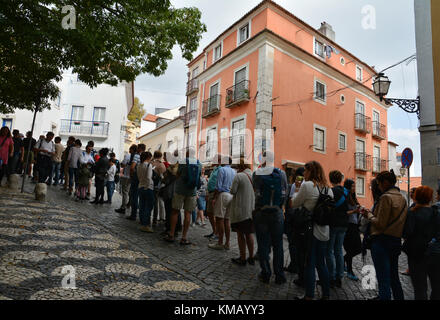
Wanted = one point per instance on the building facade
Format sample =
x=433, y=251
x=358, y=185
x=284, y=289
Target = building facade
x=310, y=98
x=427, y=19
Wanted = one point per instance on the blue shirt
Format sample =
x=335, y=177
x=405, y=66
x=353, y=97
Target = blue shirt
x=224, y=178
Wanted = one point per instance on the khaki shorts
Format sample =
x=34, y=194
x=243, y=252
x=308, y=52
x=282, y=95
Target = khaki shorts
x=189, y=203
x=209, y=208
x=221, y=208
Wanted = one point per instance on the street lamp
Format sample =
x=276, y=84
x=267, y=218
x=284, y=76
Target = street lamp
x=381, y=86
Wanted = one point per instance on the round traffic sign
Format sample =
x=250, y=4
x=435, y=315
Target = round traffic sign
x=407, y=158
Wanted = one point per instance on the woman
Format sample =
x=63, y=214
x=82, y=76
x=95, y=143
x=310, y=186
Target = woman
x=352, y=240
x=307, y=196
x=146, y=191
x=241, y=207
x=422, y=236
x=387, y=222
x=6, y=151
x=201, y=199
x=101, y=168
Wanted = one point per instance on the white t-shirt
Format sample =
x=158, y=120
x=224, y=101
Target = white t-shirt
x=48, y=146
x=86, y=158
x=111, y=173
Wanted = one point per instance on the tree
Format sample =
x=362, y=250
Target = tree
x=137, y=112
x=110, y=41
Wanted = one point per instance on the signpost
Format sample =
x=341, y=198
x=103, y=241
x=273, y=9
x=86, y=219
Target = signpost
x=407, y=160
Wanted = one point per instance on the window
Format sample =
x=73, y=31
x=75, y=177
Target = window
x=211, y=143
x=7, y=123
x=319, y=139
x=342, y=141
x=376, y=159
x=376, y=123
x=319, y=48
x=237, y=143
x=358, y=73
x=195, y=72
x=218, y=52
x=342, y=98
x=360, y=186
x=243, y=34
x=98, y=114
x=193, y=104
x=320, y=91
x=213, y=97
x=77, y=113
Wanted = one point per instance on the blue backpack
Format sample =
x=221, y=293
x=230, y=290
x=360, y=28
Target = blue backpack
x=192, y=179
x=271, y=184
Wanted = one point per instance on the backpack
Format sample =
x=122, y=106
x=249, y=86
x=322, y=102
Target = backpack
x=192, y=178
x=156, y=179
x=324, y=208
x=271, y=185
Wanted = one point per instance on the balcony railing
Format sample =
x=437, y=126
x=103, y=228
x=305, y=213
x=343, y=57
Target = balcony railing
x=189, y=118
x=362, y=161
x=238, y=94
x=84, y=127
x=379, y=165
x=192, y=86
x=211, y=106
x=362, y=123
x=379, y=130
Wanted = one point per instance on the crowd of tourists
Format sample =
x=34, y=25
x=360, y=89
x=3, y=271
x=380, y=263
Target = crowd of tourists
x=320, y=215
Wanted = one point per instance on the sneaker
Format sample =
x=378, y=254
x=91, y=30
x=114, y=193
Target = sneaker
x=198, y=223
x=193, y=224
x=121, y=211
x=146, y=229
x=352, y=276
x=203, y=223
x=209, y=235
x=216, y=246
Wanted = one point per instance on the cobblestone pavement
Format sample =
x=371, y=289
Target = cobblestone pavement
x=114, y=260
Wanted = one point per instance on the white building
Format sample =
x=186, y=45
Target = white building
x=97, y=114
x=150, y=122
x=393, y=156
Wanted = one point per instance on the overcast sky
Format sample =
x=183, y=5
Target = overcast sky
x=391, y=41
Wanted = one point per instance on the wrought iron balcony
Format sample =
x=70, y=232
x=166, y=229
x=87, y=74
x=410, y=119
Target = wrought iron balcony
x=362, y=123
x=362, y=161
x=238, y=94
x=379, y=130
x=192, y=86
x=189, y=118
x=84, y=128
x=379, y=165
x=211, y=106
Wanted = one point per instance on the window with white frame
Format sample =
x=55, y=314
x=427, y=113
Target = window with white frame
x=319, y=48
x=319, y=139
x=193, y=104
x=238, y=134
x=243, y=34
x=195, y=72
x=99, y=114
x=218, y=52
x=320, y=91
x=342, y=141
x=77, y=113
x=211, y=143
x=360, y=186
x=359, y=73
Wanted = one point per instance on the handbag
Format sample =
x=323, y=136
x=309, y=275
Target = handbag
x=301, y=220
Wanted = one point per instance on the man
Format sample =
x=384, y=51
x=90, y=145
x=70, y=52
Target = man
x=134, y=182
x=65, y=162
x=270, y=186
x=45, y=150
x=73, y=159
x=159, y=169
x=221, y=201
x=17, y=156
x=56, y=162
x=125, y=179
x=95, y=156
x=212, y=183
x=188, y=180
x=26, y=141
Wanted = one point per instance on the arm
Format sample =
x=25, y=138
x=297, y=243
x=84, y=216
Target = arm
x=299, y=197
x=11, y=149
x=379, y=219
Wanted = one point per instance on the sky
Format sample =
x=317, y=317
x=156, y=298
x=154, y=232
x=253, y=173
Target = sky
x=392, y=40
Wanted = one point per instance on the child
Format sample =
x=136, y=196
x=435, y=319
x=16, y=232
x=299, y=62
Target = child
x=111, y=180
x=83, y=181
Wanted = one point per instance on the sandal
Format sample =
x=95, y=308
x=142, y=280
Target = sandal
x=185, y=242
x=168, y=238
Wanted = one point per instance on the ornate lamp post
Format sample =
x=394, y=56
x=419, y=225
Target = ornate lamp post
x=381, y=85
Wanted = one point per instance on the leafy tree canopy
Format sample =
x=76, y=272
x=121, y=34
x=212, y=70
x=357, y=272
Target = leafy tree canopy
x=112, y=41
x=137, y=112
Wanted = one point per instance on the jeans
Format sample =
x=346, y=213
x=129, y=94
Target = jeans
x=110, y=190
x=385, y=251
x=100, y=185
x=56, y=166
x=316, y=259
x=269, y=227
x=73, y=178
x=194, y=216
x=125, y=191
x=292, y=250
x=146, y=204
x=44, y=168
x=134, y=197
x=335, y=256
x=13, y=163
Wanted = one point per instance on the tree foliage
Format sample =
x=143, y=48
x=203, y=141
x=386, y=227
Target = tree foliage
x=112, y=41
x=137, y=112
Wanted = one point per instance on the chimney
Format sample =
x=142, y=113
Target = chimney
x=327, y=30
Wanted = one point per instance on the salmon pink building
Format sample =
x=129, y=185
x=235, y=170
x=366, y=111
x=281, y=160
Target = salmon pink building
x=271, y=70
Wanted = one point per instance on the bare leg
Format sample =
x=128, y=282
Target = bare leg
x=186, y=223
x=241, y=245
x=213, y=222
x=227, y=231
x=220, y=229
x=250, y=244
x=173, y=222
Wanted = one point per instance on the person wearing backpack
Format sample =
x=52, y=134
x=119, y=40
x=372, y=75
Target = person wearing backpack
x=187, y=183
x=315, y=241
x=134, y=182
x=221, y=200
x=387, y=222
x=101, y=169
x=158, y=171
x=146, y=191
x=125, y=178
x=338, y=229
x=422, y=236
x=45, y=150
x=212, y=183
x=65, y=163
x=269, y=183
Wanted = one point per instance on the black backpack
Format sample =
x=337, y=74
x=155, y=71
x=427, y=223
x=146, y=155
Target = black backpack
x=325, y=206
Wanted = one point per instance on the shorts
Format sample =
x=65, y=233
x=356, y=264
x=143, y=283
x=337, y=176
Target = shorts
x=189, y=203
x=201, y=203
x=245, y=227
x=221, y=208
